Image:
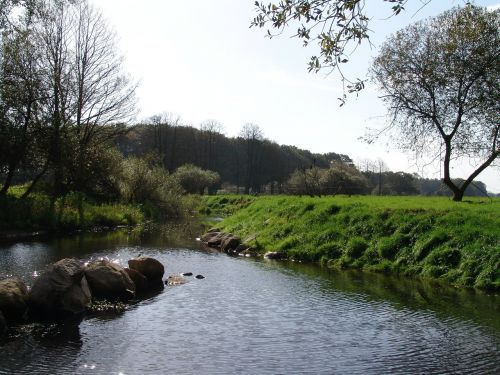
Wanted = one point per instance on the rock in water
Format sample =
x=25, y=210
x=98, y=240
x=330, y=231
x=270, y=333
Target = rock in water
x=109, y=281
x=175, y=280
x=229, y=244
x=140, y=281
x=274, y=255
x=187, y=274
x=200, y=277
x=60, y=291
x=149, y=267
x=13, y=299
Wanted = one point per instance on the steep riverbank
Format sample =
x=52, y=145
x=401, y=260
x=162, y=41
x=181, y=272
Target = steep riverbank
x=414, y=236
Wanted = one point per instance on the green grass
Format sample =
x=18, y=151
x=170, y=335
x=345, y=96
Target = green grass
x=36, y=213
x=431, y=237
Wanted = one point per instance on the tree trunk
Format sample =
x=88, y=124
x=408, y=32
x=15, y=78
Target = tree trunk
x=8, y=180
x=35, y=181
x=458, y=195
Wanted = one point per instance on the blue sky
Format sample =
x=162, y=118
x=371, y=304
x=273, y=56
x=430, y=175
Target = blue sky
x=200, y=60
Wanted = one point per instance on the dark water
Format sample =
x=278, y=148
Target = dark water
x=253, y=317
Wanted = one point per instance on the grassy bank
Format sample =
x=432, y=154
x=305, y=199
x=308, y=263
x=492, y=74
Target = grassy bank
x=66, y=214
x=416, y=236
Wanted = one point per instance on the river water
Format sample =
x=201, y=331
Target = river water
x=252, y=317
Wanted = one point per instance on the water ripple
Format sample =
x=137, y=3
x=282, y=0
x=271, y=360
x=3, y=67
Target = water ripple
x=250, y=317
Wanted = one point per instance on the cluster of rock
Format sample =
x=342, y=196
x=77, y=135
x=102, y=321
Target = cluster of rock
x=67, y=287
x=233, y=245
x=227, y=243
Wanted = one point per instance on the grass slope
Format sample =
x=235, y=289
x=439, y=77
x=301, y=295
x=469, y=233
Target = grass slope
x=418, y=236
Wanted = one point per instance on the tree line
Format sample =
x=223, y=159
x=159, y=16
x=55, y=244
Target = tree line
x=248, y=163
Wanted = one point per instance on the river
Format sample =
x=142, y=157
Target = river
x=252, y=317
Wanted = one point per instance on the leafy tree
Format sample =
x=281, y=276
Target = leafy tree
x=305, y=181
x=336, y=26
x=440, y=80
x=342, y=178
x=195, y=180
x=22, y=97
x=143, y=181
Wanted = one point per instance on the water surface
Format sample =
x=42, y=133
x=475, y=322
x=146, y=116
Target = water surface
x=252, y=317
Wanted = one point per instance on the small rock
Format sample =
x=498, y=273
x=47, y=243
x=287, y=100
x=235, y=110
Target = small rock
x=13, y=299
x=187, y=274
x=200, y=276
x=250, y=252
x=274, y=255
x=175, y=280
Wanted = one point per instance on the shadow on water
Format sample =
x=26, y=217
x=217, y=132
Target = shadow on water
x=404, y=293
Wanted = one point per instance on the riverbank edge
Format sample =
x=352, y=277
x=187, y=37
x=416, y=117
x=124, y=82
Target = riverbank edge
x=429, y=238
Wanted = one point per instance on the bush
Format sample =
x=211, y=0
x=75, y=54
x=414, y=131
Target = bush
x=195, y=180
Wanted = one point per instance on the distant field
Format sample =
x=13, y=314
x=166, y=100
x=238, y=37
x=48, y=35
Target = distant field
x=417, y=236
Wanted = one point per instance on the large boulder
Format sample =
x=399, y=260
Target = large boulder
x=60, y=291
x=140, y=281
x=149, y=267
x=109, y=280
x=13, y=299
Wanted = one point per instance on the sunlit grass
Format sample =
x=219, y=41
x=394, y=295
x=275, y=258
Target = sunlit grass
x=427, y=236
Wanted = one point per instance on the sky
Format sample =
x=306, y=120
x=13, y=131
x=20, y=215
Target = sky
x=200, y=60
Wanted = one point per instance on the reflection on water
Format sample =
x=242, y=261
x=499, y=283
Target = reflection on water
x=252, y=317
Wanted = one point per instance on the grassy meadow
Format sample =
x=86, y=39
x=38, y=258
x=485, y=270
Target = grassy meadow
x=430, y=237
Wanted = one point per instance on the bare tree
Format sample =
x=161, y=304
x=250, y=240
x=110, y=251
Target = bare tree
x=253, y=135
x=441, y=83
x=210, y=130
x=102, y=95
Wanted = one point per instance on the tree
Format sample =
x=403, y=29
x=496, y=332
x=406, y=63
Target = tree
x=195, y=180
x=21, y=94
x=252, y=134
x=336, y=26
x=211, y=130
x=441, y=80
